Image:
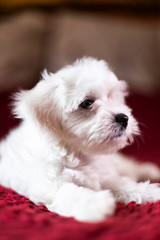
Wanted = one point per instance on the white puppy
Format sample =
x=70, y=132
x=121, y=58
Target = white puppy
x=63, y=154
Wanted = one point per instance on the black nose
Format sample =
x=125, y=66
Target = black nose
x=122, y=119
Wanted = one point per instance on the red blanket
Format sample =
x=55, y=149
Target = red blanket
x=21, y=219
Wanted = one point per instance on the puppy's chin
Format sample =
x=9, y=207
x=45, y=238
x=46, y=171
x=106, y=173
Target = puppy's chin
x=119, y=140
x=116, y=140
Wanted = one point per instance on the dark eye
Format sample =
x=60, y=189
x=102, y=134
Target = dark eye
x=86, y=104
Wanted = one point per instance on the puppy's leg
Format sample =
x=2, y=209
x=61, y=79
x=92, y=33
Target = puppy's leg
x=126, y=190
x=82, y=203
x=139, y=171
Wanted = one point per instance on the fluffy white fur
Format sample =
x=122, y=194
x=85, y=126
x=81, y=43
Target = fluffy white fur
x=64, y=156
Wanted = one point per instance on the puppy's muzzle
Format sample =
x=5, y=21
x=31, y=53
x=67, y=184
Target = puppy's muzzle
x=122, y=120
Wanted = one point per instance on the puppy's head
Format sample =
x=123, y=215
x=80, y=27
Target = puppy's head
x=83, y=107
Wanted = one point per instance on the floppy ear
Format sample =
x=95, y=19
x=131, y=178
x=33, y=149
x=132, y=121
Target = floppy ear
x=40, y=104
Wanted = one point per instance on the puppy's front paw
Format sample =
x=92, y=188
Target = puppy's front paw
x=98, y=206
x=141, y=193
x=82, y=203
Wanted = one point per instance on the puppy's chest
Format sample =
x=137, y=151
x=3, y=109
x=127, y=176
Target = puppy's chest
x=92, y=174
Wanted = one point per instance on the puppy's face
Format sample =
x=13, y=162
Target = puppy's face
x=84, y=105
x=95, y=117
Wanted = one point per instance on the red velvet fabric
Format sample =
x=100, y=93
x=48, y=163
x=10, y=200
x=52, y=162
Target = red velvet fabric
x=21, y=219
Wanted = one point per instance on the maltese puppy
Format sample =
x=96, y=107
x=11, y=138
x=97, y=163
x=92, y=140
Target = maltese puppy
x=64, y=153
